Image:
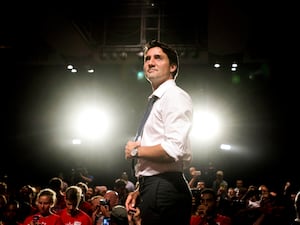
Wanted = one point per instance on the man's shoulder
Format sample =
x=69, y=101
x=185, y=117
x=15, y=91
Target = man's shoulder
x=178, y=94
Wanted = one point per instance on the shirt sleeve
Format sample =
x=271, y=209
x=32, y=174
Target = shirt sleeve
x=177, y=116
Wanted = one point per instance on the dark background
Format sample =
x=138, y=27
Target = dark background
x=37, y=44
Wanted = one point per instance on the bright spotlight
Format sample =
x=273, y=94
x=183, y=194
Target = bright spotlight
x=76, y=141
x=91, y=123
x=225, y=147
x=206, y=125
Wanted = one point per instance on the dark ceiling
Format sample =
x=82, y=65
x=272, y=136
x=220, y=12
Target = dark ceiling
x=53, y=35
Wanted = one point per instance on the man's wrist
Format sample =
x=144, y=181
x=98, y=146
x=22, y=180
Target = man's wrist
x=134, y=153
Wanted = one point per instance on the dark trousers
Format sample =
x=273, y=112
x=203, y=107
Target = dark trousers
x=165, y=199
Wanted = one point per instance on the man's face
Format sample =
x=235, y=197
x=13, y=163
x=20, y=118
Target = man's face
x=71, y=206
x=43, y=204
x=157, y=66
x=207, y=203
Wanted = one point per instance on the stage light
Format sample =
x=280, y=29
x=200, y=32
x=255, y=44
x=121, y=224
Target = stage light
x=123, y=55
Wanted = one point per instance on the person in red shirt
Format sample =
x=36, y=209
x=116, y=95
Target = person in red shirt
x=45, y=200
x=207, y=211
x=84, y=204
x=72, y=215
x=57, y=185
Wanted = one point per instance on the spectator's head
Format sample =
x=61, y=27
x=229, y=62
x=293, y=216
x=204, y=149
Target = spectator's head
x=208, y=202
x=45, y=200
x=124, y=176
x=56, y=184
x=100, y=190
x=219, y=173
x=119, y=215
x=3, y=188
x=120, y=185
x=84, y=189
x=112, y=197
x=72, y=198
x=95, y=201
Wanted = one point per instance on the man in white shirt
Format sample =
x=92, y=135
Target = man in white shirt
x=163, y=151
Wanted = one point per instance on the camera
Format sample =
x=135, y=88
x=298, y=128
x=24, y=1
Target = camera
x=104, y=202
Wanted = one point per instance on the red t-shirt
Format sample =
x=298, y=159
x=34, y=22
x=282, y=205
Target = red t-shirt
x=81, y=218
x=86, y=207
x=220, y=220
x=52, y=219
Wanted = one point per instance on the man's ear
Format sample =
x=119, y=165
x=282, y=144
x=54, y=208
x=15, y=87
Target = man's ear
x=173, y=67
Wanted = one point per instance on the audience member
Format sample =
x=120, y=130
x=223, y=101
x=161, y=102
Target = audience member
x=112, y=197
x=57, y=185
x=72, y=214
x=201, y=185
x=46, y=199
x=100, y=207
x=119, y=215
x=100, y=190
x=209, y=173
x=26, y=198
x=84, y=205
x=194, y=176
x=129, y=184
x=11, y=214
x=207, y=210
x=220, y=185
x=4, y=190
x=3, y=202
x=120, y=188
x=239, y=183
x=81, y=174
x=89, y=194
x=271, y=210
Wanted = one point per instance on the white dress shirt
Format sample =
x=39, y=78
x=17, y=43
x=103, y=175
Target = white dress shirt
x=168, y=124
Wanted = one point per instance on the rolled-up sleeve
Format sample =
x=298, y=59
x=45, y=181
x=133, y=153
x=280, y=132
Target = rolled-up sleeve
x=177, y=118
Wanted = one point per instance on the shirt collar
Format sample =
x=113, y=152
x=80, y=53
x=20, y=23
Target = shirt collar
x=159, y=92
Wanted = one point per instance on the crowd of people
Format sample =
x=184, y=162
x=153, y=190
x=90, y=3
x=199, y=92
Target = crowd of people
x=217, y=202
x=60, y=202
x=239, y=203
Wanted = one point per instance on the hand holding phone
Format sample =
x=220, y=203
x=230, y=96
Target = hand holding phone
x=106, y=221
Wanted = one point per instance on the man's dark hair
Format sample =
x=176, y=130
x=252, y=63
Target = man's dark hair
x=209, y=191
x=55, y=183
x=168, y=50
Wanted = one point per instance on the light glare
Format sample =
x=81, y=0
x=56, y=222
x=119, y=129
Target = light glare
x=91, y=123
x=206, y=125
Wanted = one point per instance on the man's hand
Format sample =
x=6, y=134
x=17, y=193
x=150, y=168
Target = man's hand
x=131, y=200
x=134, y=217
x=129, y=147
